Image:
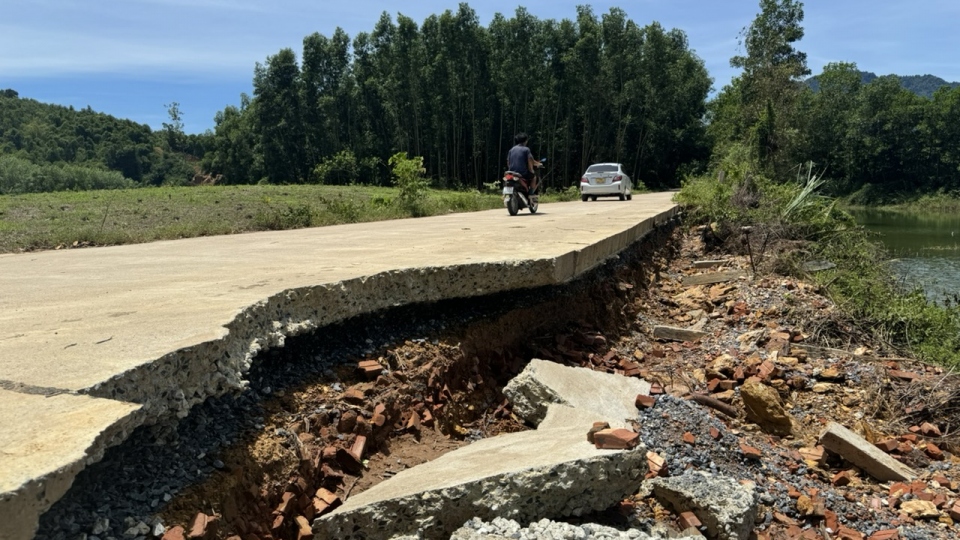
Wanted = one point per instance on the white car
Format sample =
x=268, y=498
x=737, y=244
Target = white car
x=605, y=180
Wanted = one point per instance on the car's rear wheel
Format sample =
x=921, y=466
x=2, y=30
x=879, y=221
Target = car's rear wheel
x=583, y=198
x=623, y=197
x=593, y=197
x=630, y=196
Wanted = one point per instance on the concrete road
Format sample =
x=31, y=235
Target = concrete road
x=167, y=324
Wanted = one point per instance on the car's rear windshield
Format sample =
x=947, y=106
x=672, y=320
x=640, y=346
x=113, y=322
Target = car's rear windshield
x=602, y=168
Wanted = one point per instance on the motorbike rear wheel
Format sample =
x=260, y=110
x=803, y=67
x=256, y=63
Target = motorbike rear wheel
x=534, y=204
x=513, y=205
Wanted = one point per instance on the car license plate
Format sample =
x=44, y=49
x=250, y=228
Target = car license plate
x=601, y=180
x=508, y=190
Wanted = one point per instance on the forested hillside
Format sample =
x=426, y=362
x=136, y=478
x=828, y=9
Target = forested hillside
x=455, y=92
x=921, y=85
x=46, y=147
x=875, y=139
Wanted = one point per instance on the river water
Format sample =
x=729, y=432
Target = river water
x=925, y=248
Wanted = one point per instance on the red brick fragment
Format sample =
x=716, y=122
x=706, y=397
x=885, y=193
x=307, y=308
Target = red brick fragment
x=687, y=520
x=902, y=375
x=713, y=385
x=842, y=478
x=597, y=426
x=176, y=533
x=914, y=429
x=888, y=445
x=904, y=448
x=304, y=530
x=359, y=447
x=886, y=534
x=750, y=452
x=715, y=433
x=831, y=520
x=656, y=389
x=909, y=437
x=689, y=438
x=930, y=430
x=656, y=464
x=933, y=452
x=370, y=368
x=203, y=526
x=846, y=533
x=942, y=480
x=354, y=395
x=287, y=503
x=348, y=462
x=954, y=511
x=645, y=402
x=616, y=439
x=793, y=492
x=413, y=422
x=277, y=524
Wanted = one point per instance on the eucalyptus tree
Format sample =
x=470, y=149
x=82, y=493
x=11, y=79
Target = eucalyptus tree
x=276, y=86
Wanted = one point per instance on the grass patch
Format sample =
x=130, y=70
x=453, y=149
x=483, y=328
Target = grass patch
x=64, y=219
x=789, y=224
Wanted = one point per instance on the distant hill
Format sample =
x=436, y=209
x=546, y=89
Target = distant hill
x=921, y=85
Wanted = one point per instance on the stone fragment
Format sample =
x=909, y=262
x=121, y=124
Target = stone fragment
x=864, y=455
x=930, y=430
x=616, y=439
x=918, y=509
x=886, y=534
x=764, y=408
x=726, y=507
x=670, y=333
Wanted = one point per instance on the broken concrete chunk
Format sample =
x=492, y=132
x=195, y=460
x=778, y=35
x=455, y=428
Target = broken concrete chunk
x=609, y=397
x=864, y=455
x=708, y=279
x=725, y=506
x=523, y=476
x=763, y=407
x=671, y=333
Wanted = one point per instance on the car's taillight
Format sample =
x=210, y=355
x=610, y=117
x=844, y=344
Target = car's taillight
x=584, y=180
x=618, y=178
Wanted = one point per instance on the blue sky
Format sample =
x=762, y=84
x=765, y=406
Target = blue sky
x=129, y=58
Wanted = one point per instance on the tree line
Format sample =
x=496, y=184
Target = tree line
x=876, y=140
x=595, y=88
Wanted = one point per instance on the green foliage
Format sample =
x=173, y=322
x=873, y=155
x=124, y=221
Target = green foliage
x=18, y=175
x=285, y=217
x=340, y=169
x=48, y=135
x=447, y=90
x=407, y=174
x=860, y=284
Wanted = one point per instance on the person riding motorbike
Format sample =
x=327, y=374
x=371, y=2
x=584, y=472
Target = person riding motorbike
x=520, y=160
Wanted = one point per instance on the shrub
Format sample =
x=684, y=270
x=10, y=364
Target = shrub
x=407, y=175
x=18, y=175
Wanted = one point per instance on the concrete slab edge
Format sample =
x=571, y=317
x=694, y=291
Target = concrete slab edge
x=181, y=379
x=436, y=514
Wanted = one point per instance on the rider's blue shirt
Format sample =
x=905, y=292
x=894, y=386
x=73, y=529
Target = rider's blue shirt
x=517, y=159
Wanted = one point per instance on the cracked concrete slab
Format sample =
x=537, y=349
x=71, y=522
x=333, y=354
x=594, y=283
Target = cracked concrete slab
x=547, y=473
x=607, y=396
x=522, y=476
x=169, y=324
x=44, y=443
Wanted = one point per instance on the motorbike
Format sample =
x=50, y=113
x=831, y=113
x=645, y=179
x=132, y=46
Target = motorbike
x=519, y=194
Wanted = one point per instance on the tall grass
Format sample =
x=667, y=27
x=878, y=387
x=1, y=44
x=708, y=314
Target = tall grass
x=811, y=228
x=19, y=175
